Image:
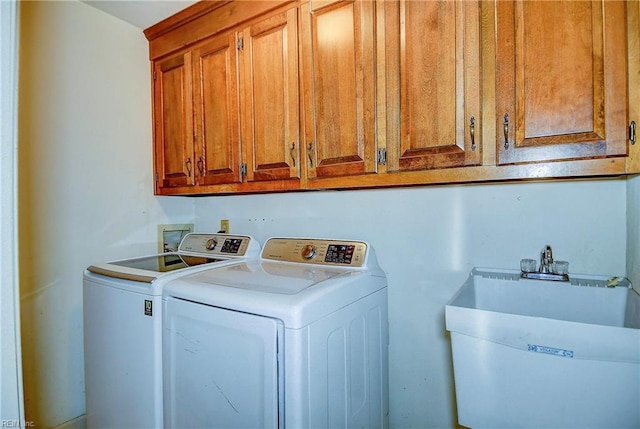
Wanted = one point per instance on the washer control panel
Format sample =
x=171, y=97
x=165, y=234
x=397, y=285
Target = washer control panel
x=346, y=253
x=215, y=244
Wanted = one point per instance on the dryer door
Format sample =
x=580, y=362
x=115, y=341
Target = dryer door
x=220, y=367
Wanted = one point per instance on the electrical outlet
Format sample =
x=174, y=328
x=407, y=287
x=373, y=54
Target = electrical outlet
x=224, y=225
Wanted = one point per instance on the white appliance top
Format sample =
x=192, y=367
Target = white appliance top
x=297, y=280
x=195, y=250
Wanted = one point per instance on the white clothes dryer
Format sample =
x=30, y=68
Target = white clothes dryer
x=123, y=327
x=297, y=339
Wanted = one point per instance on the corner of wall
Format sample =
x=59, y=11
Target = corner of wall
x=633, y=231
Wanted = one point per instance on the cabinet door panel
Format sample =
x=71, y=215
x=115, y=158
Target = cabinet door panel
x=270, y=109
x=173, y=122
x=433, y=50
x=217, y=111
x=560, y=81
x=339, y=76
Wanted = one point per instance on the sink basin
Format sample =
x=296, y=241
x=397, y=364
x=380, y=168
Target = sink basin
x=535, y=353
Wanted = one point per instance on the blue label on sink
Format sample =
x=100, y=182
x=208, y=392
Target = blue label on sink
x=551, y=351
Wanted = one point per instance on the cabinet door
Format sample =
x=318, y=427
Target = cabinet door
x=561, y=80
x=338, y=55
x=270, y=103
x=216, y=111
x=173, y=115
x=433, y=84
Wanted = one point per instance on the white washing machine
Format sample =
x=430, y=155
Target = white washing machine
x=123, y=327
x=297, y=339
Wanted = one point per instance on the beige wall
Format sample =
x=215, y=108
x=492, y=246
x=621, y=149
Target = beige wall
x=85, y=183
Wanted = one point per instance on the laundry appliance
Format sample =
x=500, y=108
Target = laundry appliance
x=296, y=339
x=123, y=327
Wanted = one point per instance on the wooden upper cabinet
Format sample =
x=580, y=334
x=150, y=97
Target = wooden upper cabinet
x=270, y=102
x=216, y=106
x=259, y=96
x=561, y=80
x=433, y=84
x=338, y=68
x=173, y=122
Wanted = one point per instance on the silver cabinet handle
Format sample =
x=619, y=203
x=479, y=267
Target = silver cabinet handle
x=632, y=132
x=310, y=154
x=188, y=165
x=293, y=153
x=201, y=166
x=505, y=126
x=472, y=132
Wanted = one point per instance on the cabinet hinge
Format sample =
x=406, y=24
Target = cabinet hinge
x=382, y=156
x=240, y=43
x=243, y=169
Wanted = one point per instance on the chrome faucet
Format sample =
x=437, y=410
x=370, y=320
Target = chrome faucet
x=546, y=259
x=548, y=269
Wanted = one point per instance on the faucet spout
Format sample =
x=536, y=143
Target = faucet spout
x=546, y=259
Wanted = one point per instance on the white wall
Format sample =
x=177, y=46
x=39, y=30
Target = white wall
x=633, y=231
x=427, y=240
x=11, y=408
x=85, y=183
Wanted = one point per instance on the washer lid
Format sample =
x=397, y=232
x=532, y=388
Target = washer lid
x=297, y=294
x=148, y=268
x=195, y=250
x=268, y=277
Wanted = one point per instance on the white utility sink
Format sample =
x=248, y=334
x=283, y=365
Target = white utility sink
x=537, y=353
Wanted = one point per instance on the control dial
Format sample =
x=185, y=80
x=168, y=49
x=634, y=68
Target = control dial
x=211, y=244
x=309, y=251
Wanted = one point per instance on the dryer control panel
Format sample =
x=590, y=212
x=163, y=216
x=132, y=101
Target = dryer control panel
x=346, y=253
x=217, y=244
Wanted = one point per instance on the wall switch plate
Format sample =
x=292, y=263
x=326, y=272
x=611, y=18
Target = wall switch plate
x=224, y=225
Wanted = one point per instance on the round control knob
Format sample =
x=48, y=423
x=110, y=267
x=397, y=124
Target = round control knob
x=211, y=244
x=309, y=251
